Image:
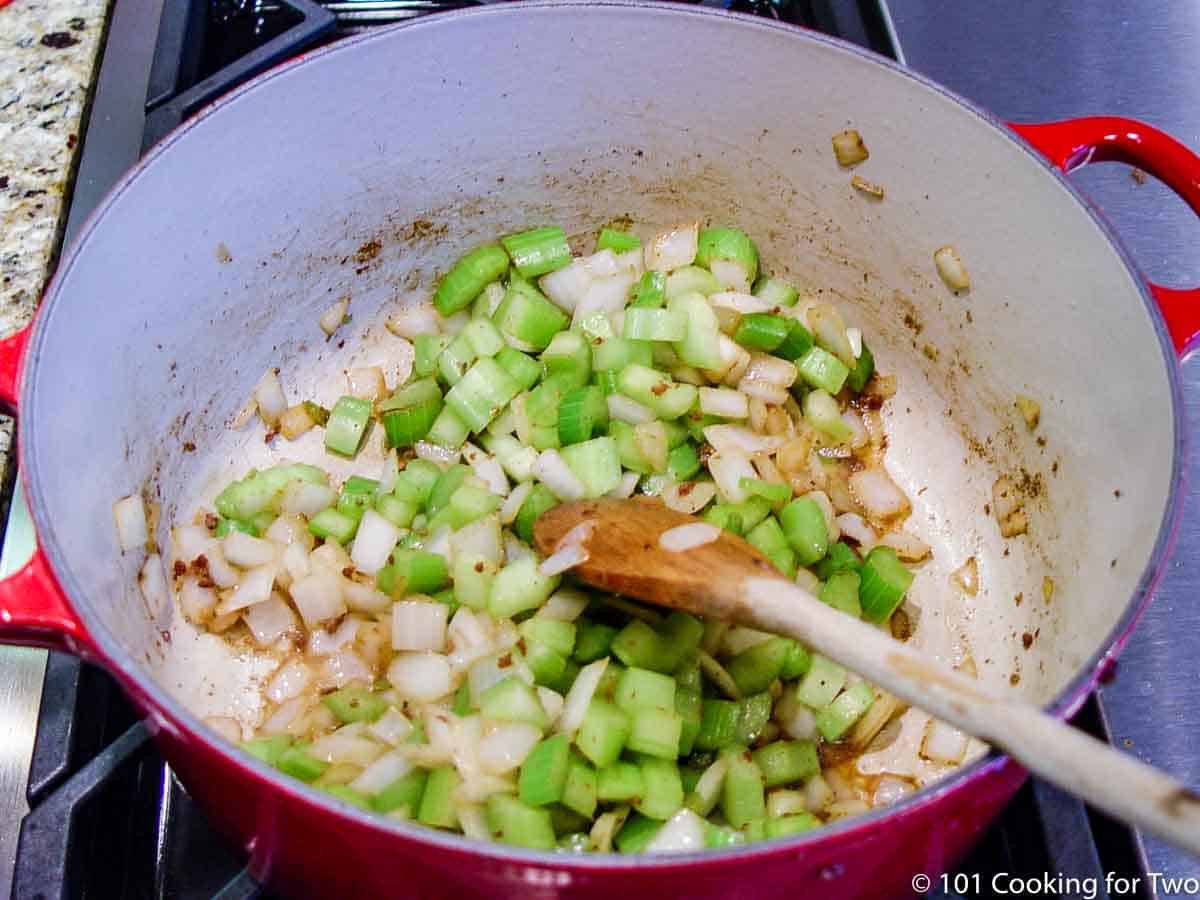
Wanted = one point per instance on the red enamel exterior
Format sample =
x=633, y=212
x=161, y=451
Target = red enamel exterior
x=295, y=845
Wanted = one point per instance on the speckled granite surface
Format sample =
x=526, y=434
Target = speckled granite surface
x=48, y=53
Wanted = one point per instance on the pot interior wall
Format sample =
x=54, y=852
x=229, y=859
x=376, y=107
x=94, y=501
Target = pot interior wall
x=363, y=171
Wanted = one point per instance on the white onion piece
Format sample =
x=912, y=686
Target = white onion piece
x=562, y=560
x=420, y=676
x=366, y=383
x=513, y=502
x=331, y=556
x=604, y=296
x=795, y=719
x=625, y=409
x=129, y=514
x=486, y=468
x=853, y=526
x=740, y=638
x=858, y=431
x=943, y=743
x=689, y=497
x=908, y=547
x=381, y=773
x=770, y=369
x=724, y=402
x=817, y=794
x=472, y=821
x=890, y=789
x=374, y=542
x=439, y=543
x=831, y=523
x=345, y=747
x=515, y=549
x=854, y=336
x=580, y=695
x=332, y=319
x=196, y=602
x=740, y=302
x=505, y=745
x=419, y=625
x=682, y=833
x=246, y=551
x=734, y=360
x=731, y=274
x=728, y=467
x=672, y=249
x=829, y=329
x=485, y=672
x=764, y=391
x=287, y=530
x=281, y=719
x=270, y=620
x=364, y=598
x=785, y=803
x=255, y=587
x=552, y=703
x=682, y=538
x=226, y=727
x=564, y=605
x=626, y=486
x=303, y=498
x=878, y=494
x=324, y=643
x=414, y=319
x=568, y=285
x=392, y=727
x=220, y=571
x=318, y=597
x=435, y=453
x=742, y=439
x=190, y=541
x=269, y=398
x=289, y=681
x=553, y=472
x=343, y=668
x=478, y=540
x=807, y=581
x=950, y=266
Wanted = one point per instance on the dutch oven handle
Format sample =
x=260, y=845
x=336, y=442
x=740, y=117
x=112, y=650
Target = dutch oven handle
x=33, y=608
x=1073, y=143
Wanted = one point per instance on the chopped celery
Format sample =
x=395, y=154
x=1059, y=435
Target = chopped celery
x=268, y=749
x=768, y=490
x=683, y=462
x=753, y=714
x=821, y=369
x=516, y=823
x=841, y=592
x=404, y=792
x=528, y=316
x=784, y=762
x=662, y=796
x=701, y=346
x=836, y=719
x=690, y=280
x=762, y=331
x=821, y=683
x=568, y=359
x=481, y=394
x=742, y=797
x=543, y=776
x=523, y=369
x=798, y=342
x=593, y=641
x=410, y=412
x=484, y=338
x=540, y=499
x=296, y=761
x=512, y=700
x=518, y=587
x=603, y=734
x=755, y=668
x=538, y=251
x=354, y=704
x=595, y=463
x=775, y=291
x=804, y=526
x=331, y=525
x=580, y=788
x=884, y=581
x=718, y=724
x=821, y=411
x=619, y=782
x=863, y=369
x=647, y=324
x=468, y=277
x=456, y=359
x=644, y=689
x=728, y=245
x=427, y=348
x=582, y=413
x=637, y=832
x=348, y=421
x=650, y=291
x=655, y=732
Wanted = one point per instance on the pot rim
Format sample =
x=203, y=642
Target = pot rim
x=170, y=715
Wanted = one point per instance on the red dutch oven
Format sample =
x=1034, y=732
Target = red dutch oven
x=214, y=258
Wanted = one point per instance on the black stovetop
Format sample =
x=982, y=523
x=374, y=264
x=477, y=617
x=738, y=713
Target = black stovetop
x=108, y=818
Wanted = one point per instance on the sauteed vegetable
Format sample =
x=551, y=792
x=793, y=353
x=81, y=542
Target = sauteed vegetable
x=434, y=668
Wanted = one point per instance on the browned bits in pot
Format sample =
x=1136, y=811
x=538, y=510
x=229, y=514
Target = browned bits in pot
x=1006, y=507
x=849, y=148
x=1027, y=640
x=1047, y=588
x=870, y=188
x=966, y=577
x=1014, y=525
x=179, y=568
x=1030, y=409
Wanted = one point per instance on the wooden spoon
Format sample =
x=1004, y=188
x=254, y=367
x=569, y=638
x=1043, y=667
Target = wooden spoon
x=728, y=579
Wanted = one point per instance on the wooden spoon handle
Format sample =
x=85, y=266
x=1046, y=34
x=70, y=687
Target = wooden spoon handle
x=1112, y=781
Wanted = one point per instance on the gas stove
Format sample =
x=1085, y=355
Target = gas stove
x=107, y=818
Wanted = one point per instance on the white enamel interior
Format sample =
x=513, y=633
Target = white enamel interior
x=574, y=114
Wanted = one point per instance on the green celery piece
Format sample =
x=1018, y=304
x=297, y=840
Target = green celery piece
x=595, y=463
x=539, y=500
x=689, y=704
x=742, y=797
x=512, y=700
x=522, y=368
x=543, y=776
x=863, y=370
x=470, y=275
x=753, y=714
x=700, y=347
x=437, y=803
x=650, y=291
x=841, y=592
x=822, y=412
x=821, y=683
x=416, y=481
x=775, y=291
x=481, y=394
x=454, y=361
x=614, y=354
x=822, y=370
x=637, y=644
x=798, y=662
x=690, y=280
x=296, y=762
x=798, y=342
x=727, y=245
x=593, y=640
x=347, y=795
x=619, y=782
x=268, y=749
x=538, y=251
x=519, y=824
x=484, y=338
x=785, y=762
x=557, y=635
x=884, y=582
x=548, y=665
x=681, y=635
x=331, y=525
x=224, y=526
x=426, y=350
x=841, y=558
x=568, y=360
x=655, y=732
x=527, y=315
x=603, y=734
x=804, y=526
x=636, y=833
x=348, y=421
x=683, y=462
x=847, y=708
x=663, y=793
x=582, y=413
x=789, y=825
x=768, y=490
x=519, y=587
x=755, y=668
x=354, y=704
x=762, y=331
x=405, y=792
x=644, y=689
x=718, y=724
x=617, y=240
x=579, y=790
x=445, y=485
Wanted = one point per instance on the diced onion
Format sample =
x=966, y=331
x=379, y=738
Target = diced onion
x=420, y=676
x=626, y=486
x=366, y=383
x=855, y=527
x=332, y=319
x=785, y=803
x=829, y=329
x=624, y=409
x=226, y=727
x=553, y=472
x=564, y=605
x=854, y=336
x=817, y=794
x=737, y=437
x=848, y=148
x=673, y=249
x=943, y=743
x=728, y=468
x=345, y=746
x=270, y=620
x=724, y=402
x=154, y=585
x=795, y=719
x=682, y=538
x=392, y=727
x=689, y=497
x=486, y=468
x=324, y=643
x=289, y=681
x=562, y=560
x=552, y=703
x=505, y=745
x=514, y=501
x=419, y=625
x=414, y=319
x=287, y=530
x=374, y=542
x=318, y=597
x=295, y=421
x=255, y=587
x=281, y=720
x=567, y=286
x=950, y=266
x=731, y=274
x=740, y=638
x=807, y=581
x=605, y=296
x=381, y=773
x=436, y=453
x=890, y=789
x=908, y=547
x=682, y=833
x=269, y=398
x=246, y=551
x=878, y=494
x=306, y=499
x=190, y=541
x=197, y=602
x=966, y=577
x=221, y=572
x=580, y=695
x=129, y=513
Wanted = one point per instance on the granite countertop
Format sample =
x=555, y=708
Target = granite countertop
x=48, y=54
